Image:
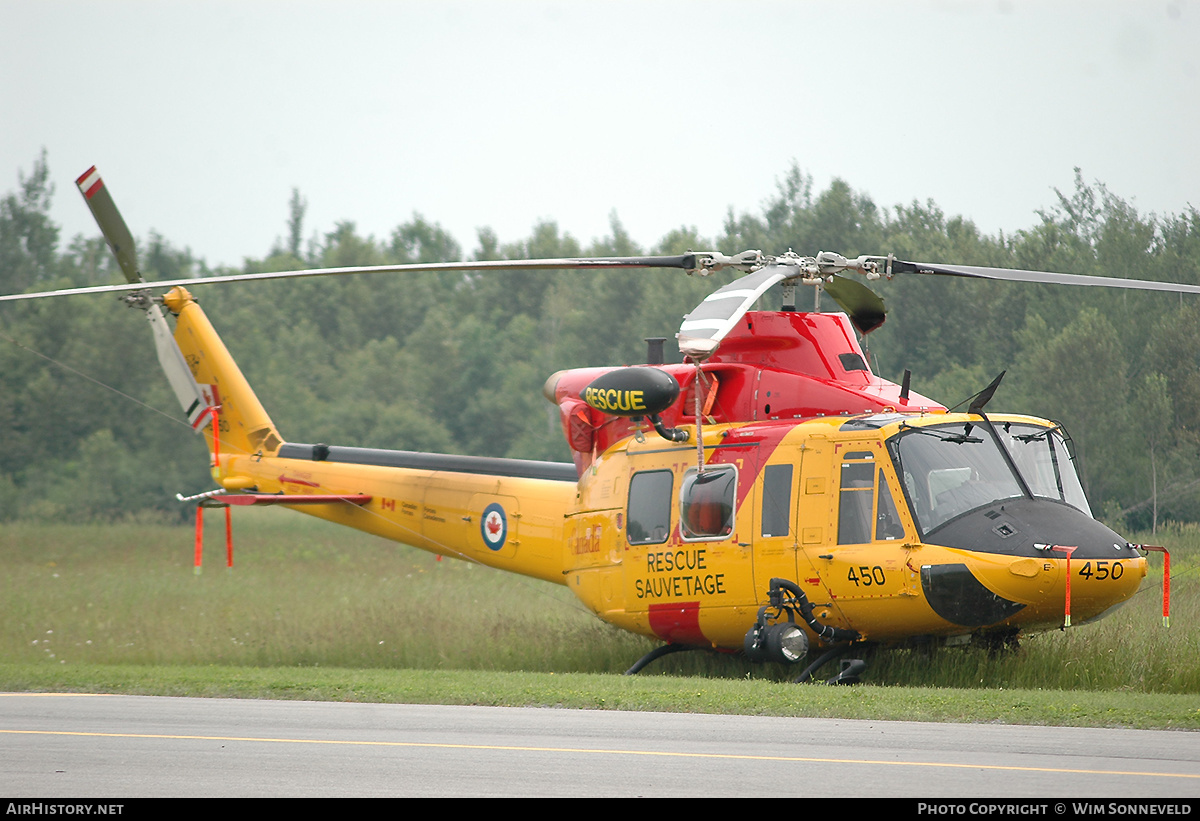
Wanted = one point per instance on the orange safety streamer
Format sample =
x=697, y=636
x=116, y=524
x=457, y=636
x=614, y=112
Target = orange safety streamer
x=199, y=556
x=228, y=536
x=1067, y=606
x=712, y=394
x=1166, y=579
x=198, y=559
x=216, y=426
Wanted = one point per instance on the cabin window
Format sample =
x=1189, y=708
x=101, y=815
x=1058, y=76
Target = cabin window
x=650, y=507
x=706, y=502
x=777, y=500
x=856, y=501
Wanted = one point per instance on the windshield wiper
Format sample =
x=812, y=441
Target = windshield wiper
x=957, y=438
x=1040, y=436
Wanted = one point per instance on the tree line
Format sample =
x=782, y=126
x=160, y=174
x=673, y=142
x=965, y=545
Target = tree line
x=454, y=363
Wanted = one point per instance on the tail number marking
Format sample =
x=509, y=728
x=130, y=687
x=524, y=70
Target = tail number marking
x=1105, y=569
x=866, y=576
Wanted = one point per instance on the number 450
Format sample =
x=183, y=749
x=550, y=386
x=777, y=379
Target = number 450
x=866, y=576
x=1104, y=570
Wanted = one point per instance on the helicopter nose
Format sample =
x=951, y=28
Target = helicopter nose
x=1033, y=528
x=1019, y=555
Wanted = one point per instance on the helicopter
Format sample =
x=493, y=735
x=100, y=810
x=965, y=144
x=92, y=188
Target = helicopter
x=770, y=495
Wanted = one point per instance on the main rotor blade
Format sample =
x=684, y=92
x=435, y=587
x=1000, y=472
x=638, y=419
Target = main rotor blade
x=864, y=307
x=115, y=231
x=1019, y=275
x=684, y=261
x=704, y=328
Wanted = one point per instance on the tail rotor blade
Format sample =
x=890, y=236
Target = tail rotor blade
x=115, y=231
x=191, y=397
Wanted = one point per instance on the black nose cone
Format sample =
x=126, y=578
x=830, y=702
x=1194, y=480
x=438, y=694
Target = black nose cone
x=1025, y=527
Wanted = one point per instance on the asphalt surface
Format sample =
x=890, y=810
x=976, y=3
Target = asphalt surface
x=105, y=746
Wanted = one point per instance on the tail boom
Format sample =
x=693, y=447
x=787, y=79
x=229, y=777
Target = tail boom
x=514, y=523
x=504, y=513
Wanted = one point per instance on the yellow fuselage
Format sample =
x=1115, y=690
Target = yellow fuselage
x=706, y=590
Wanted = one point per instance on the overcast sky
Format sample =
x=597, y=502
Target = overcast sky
x=203, y=116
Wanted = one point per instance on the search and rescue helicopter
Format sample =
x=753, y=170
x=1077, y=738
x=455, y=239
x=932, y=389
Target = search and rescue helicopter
x=770, y=495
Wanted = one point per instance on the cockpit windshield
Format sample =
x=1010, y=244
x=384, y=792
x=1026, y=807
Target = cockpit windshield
x=951, y=469
x=1042, y=457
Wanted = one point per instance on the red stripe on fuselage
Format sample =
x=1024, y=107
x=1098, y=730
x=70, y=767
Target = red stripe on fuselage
x=753, y=445
x=677, y=623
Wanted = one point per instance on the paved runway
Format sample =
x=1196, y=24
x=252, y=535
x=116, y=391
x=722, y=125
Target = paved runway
x=101, y=746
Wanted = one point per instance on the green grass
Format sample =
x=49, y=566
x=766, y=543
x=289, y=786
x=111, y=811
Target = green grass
x=315, y=611
x=591, y=691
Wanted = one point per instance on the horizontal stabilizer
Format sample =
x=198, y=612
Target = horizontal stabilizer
x=246, y=499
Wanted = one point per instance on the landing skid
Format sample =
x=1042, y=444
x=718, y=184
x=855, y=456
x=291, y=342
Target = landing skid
x=850, y=672
x=657, y=653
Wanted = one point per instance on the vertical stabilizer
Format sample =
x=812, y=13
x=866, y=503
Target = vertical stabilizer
x=244, y=426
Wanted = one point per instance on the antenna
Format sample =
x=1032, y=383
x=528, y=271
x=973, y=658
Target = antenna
x=985, y=395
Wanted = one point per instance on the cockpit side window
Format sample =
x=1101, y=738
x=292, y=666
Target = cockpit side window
x=887, y=518
x=856, y=499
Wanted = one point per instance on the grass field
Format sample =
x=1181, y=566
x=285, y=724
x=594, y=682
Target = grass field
x=311, y=608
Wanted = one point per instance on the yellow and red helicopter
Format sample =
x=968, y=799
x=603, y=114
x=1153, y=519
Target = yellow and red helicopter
x=770, y=495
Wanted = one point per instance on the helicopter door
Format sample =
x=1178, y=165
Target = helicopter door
x=775, y=535
x=648, y=529
x=860, y=565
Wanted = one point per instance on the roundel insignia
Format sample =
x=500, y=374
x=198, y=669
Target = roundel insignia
x=494, y=526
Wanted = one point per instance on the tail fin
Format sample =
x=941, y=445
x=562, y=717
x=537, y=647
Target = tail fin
x=243, y=426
